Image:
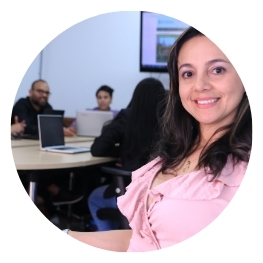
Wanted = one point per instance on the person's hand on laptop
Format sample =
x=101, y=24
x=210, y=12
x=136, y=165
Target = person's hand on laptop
x=69, y=131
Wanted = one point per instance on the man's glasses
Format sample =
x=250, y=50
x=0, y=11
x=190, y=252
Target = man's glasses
x=42, y=92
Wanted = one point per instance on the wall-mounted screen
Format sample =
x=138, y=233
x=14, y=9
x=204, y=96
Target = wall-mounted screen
x=157, y=34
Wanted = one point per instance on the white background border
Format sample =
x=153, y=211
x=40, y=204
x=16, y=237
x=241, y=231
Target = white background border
x=27, y=26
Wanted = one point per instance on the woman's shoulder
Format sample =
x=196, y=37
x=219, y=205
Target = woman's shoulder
x=145, y=168
x=125, y=111
x=123, y=114
x=115, y=112
x=233, y=172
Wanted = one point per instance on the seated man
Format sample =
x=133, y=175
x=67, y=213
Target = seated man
x=26, y=109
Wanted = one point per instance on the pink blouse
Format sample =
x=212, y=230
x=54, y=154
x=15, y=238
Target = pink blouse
x=182, y=206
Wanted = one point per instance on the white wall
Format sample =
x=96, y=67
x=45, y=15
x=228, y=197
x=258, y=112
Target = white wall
x=32, y=73
x=100, y=50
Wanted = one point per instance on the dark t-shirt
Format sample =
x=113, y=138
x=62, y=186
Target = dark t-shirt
x=110, y=142
x=24, y=110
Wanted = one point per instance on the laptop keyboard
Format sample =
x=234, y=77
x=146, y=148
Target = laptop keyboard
x=65, y=148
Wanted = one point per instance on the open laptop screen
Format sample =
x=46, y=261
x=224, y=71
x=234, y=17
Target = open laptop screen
x=91, y=122
x=51, y=130
x=53, y=112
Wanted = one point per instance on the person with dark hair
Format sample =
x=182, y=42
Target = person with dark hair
x=200, y=160
x=28, y=108
x=134, y=130
x=104, y=98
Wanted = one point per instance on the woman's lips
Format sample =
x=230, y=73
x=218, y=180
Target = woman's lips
x=206, y=101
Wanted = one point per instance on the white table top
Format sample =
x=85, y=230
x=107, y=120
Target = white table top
x=28, y=142
x=32, y=158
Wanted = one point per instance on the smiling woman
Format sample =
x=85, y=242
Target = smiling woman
x=209, y=86
x=199, y=162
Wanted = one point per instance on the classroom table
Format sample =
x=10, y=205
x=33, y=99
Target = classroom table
x=30, y=157
x=30, y=142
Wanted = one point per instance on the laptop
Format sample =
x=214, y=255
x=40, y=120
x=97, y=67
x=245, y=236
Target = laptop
x=30, y=136
x=46, y=111
x=51, y=136
x=53, y=112
x=90, y=122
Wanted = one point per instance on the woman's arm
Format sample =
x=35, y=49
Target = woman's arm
x=114, y=240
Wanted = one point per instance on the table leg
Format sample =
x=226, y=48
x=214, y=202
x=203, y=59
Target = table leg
x=33, y=179
x=32, y=190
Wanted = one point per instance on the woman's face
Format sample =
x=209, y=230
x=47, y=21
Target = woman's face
x=209, y=86
x=104, y=100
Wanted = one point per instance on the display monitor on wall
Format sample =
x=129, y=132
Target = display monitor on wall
x=157, y=34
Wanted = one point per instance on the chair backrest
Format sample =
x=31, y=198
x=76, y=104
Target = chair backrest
x=117, y=188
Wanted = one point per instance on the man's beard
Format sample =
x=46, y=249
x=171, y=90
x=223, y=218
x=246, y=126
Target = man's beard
x=38, y=103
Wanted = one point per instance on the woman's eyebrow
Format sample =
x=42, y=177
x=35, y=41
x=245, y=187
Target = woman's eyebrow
x=217, y=60
x=184, y=65
x=207, y=63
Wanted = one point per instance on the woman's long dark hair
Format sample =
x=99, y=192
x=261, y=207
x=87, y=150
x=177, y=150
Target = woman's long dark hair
x=180, y=131
x=142, y=128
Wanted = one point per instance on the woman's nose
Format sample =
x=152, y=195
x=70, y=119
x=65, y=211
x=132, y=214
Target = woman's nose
x=202, y=82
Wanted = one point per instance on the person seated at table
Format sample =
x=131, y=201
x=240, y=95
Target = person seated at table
x=200, y=161
x=28, y=108
x=104, y=96
x=17, y=128
x=134, y=129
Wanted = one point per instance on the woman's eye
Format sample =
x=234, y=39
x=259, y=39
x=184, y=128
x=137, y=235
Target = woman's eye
x=218, y=70
x=187, y=74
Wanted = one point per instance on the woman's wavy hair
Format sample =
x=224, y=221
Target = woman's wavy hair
x=142, y=129
x=180, y=131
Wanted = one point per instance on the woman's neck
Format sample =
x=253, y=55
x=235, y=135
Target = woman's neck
x=209, y=134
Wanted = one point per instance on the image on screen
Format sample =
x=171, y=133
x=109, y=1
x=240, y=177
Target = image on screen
x=158, y=33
